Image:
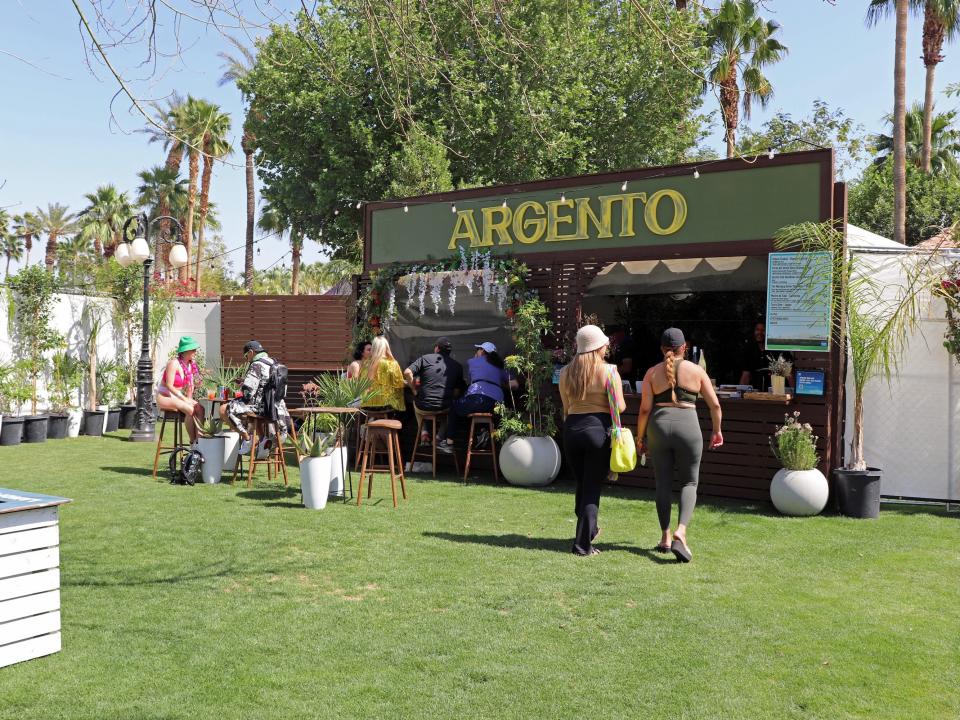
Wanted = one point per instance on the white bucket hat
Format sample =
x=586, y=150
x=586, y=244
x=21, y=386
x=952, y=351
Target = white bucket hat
x=590, y=338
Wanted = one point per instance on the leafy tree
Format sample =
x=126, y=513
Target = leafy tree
x=170, y=118
x=33, y=292
x=741, y=45
x=12, y=247
x=27, y=227
x=944, y=139
x=941, y=22
x=76, y=257
x=933, y=202
x=510, y=92
x=823, y=127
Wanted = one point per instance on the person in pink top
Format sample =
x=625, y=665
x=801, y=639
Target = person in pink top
x=177, y=384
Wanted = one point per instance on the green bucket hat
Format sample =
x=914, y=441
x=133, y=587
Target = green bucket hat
x=187, y=343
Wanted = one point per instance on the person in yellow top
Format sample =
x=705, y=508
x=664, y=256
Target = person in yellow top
x=384, y=371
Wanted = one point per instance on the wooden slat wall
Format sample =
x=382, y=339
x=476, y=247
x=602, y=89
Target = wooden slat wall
x=307, y=333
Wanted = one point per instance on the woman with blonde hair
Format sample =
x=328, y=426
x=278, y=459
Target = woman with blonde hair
x=668, y=421
x=386, y=377
x=586, y=427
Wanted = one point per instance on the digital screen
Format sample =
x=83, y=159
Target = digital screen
x=809, y=382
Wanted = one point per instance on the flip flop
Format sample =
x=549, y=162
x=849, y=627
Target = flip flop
x=681, y=551
x=661, y=548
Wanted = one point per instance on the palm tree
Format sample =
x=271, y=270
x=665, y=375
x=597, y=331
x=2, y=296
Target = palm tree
x=235, y=69
x=12, y=247
x=27, y=227
x=160, y=191
x=74, y=251
x=319, y=277
x=170, y=118
x=944, y=141
x=102, y=220
x=273, y=220
x=900, y=8
x=215, y=145
x=742, y=44
x=193, y=126
x=941, y=22
x=57, y=221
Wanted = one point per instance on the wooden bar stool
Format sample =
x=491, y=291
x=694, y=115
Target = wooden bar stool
x=479, y=420
x=178, y=443
x=275, y=461
x=369, y=415
x=430, y=417
x=386, y=432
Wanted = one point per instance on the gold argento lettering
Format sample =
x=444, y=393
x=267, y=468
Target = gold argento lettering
x=465, y=229
x=520, y=223
x=602, y=224
x=679, y=212
x=554, y=219
x=501, y=227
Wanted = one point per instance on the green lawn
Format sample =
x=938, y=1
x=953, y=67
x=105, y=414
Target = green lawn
x=219, y=602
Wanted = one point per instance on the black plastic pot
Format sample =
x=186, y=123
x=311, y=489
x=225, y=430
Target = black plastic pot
x=128, y=417
x=93, y=422
x=35, y=428
x=113, y=419
x=11, y=431
x=57, y=426
x=858, y=492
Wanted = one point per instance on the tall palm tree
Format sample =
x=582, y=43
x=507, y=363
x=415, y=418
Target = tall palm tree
x=102, y=220
x=27, y=227
x=235, y=69
x=193, y=126
x=170, y=118
x=274, y=220
x=57, y=221
x=742, y=45
x=900, y=9
x=12, y=247
x=215, y=145
x=944, y=141
x=73, y=253
x=160, y=191
x=941, y=22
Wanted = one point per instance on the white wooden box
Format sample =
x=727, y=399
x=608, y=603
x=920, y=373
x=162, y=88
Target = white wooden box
x=29, y=575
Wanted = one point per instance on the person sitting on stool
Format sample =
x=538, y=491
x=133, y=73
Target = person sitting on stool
x=440, y=380
x=252, y=401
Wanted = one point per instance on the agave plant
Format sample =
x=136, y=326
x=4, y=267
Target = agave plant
x=211, y=427
x=226, y=375
x=319, y=446
x=332, y=390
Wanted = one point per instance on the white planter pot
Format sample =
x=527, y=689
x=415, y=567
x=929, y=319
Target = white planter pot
x=106, y=416
x=530, y=461
x=799, y=492
x=74, y=422
x=212, y=450
x=231, y=444
x=315, y=481
x=337, y=469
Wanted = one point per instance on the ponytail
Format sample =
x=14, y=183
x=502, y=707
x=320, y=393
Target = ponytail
x=670, y=370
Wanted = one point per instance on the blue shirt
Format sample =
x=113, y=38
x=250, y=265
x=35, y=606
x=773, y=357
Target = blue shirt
x=486, y=379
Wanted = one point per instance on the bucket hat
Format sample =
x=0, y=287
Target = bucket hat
x=590, y=338
x=187, y=343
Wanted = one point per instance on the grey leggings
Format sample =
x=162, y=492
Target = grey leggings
x=676, y=445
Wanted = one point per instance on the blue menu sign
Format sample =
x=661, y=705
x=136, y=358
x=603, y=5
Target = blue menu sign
x=809, y=382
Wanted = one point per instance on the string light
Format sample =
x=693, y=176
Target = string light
x=563, y=197
x=696, y=174
x=770, y=153
x=258, y=250
x=623, y=188
x=504, y=203
x=336, y=212
x=406, y=208
x=358, y=204
x=453, y=208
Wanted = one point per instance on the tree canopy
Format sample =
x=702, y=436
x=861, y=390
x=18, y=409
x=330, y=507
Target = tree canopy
x=368, y=100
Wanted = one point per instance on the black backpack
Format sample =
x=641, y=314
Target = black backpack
x=275, y=390
x=185, y=466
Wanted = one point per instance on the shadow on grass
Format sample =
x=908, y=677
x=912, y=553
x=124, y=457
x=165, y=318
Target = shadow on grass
x=141, y=471
x=523, y=542
x=288, y=497
x=203, y=573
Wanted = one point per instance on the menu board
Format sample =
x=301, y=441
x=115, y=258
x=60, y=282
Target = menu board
x=799, y=297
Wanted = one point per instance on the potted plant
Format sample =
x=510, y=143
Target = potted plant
x=211, y=444
x=780, y=370
x=316, y=460
x=219, y=385
x=33, y=293
x=14, y=393
x=529, y=456
x=111, y=386
x=336, y=391
x=64, y=417
x=94, y=417
x=876, y=321
x=125, y=287
x=798, y=488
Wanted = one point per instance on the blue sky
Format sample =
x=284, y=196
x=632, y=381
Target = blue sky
x=57, y=139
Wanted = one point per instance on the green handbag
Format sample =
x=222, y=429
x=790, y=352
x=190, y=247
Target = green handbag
x=623, y=450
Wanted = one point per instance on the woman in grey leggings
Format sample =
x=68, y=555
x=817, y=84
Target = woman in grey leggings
x=668, y=426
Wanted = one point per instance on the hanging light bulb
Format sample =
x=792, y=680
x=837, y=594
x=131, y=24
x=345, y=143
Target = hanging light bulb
x=696, y=174
x=336, y=212
x=358, y=204
x=504, y=203
x=623, y=188
x=770, y=153
x=406, y=208
x=258, y=250
x=563, y=197
x=453, y=208
x=122, y=254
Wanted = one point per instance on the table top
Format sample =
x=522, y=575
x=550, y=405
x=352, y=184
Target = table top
x=18, y=500
x=318, y=410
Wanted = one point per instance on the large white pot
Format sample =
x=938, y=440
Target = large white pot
x=799, y=492
x=337, y=470
x=105, y=409
x=74, y=422
x=212, y=450
x=231, y=444
x=530, y=461
x=315, y=481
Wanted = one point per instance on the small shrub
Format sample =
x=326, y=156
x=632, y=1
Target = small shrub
x=794, y=444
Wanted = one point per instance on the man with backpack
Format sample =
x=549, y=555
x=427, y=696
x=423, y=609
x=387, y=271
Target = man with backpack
x=262, y=392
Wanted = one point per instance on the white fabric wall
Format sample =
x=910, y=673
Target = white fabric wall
x=910, y=424
x=198, y=319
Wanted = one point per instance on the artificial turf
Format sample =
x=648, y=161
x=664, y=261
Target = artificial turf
x=223, y=602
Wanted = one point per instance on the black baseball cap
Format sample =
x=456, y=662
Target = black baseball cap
x=444, y=343
x=672, y=337
x=252, y=345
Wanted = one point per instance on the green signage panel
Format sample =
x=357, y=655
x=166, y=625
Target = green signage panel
x=716, y=207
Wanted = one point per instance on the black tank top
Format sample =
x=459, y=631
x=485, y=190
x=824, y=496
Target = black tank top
x=683, y=395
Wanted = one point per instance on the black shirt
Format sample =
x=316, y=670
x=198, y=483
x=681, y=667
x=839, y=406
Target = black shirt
x=439, y=376
x=755, y=359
